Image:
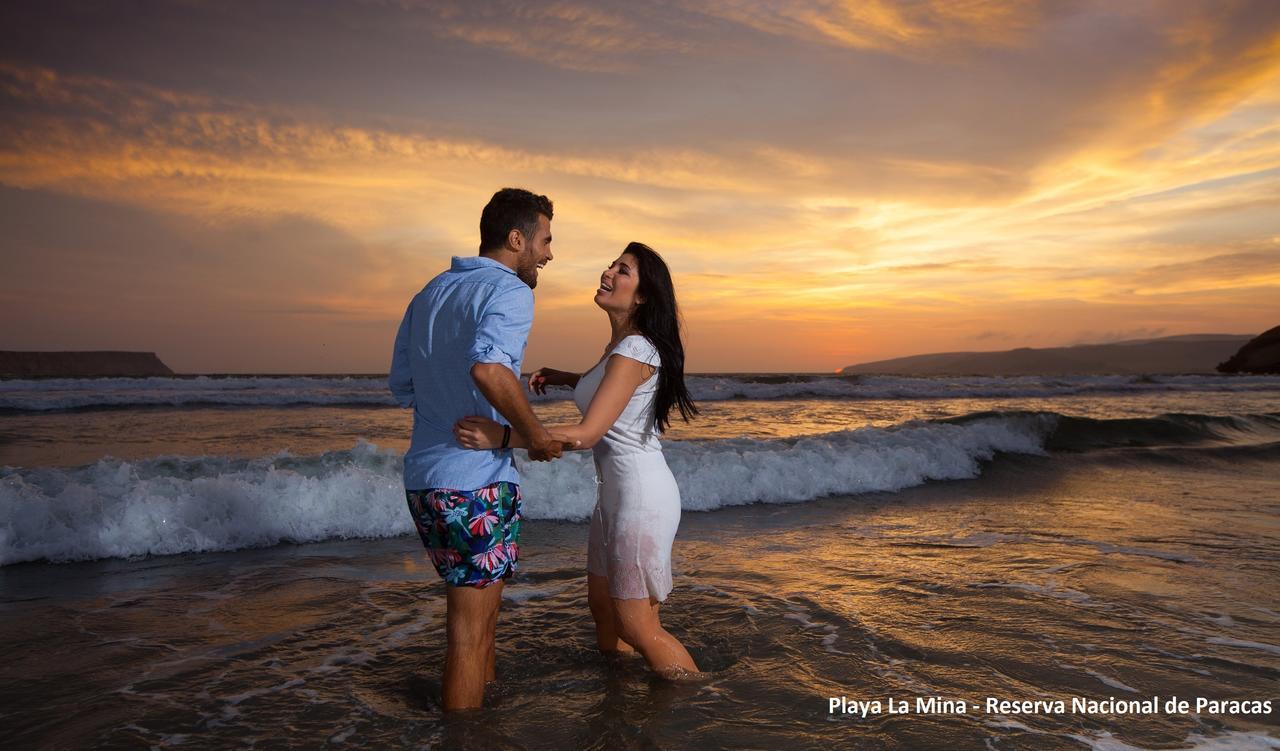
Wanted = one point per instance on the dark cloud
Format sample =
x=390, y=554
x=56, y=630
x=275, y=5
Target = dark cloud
x=613, y=76
x=1121, y=335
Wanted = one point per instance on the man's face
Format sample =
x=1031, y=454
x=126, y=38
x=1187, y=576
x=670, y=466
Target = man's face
x=536, y=253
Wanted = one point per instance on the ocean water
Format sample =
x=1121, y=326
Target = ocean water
x=204, y=562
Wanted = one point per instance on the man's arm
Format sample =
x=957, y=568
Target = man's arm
x=500, y=339
x=623, y=375
x=500, y=386
x=401, y=378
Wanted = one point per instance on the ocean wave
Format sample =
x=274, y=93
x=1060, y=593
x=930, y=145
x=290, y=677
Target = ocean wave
x=234, y=391
x=972, y=387
x=283, y=391
x=1073, y=433
x=168, y=505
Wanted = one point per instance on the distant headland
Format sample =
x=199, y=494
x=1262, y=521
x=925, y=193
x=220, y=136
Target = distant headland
x=81, y=365
x=1260, y=355
x=1190, y=353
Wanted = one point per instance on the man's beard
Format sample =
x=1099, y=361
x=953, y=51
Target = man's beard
x=528, y=274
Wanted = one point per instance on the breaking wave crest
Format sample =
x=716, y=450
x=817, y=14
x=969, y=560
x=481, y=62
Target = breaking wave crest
x=170, y=505
x=284, y=391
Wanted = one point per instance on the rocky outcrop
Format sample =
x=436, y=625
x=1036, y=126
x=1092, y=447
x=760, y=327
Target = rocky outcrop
x=1260, y=355
x=81, y=364
x=1191, y=353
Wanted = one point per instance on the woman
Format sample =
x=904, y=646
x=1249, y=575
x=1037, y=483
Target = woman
x=626, y=399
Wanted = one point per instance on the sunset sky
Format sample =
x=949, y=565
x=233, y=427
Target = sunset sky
x=261, y=187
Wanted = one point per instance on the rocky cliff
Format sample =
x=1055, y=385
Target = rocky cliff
x=1193, y=353
x=80, y=364
x=1259, y=355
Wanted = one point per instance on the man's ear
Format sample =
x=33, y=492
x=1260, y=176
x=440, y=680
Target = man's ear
x=515, y=240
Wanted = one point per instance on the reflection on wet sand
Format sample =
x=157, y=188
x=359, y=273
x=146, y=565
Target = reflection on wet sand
x=1044, y=578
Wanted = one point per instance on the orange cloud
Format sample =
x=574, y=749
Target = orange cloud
x=1158, y=205
x=881, y=25
x=574, y=36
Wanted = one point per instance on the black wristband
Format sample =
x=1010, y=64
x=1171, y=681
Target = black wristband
x=506, y=436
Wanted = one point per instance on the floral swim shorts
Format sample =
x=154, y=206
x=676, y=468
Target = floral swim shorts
x=473, y=536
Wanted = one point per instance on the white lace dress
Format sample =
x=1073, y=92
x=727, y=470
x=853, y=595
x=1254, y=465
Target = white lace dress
x=637, y=503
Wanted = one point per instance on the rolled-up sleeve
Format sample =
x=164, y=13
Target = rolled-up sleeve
x=504, y=328
x=401, y=378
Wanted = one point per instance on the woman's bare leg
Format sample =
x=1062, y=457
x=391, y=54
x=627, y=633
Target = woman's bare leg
x=638, y=625
x=603, y=613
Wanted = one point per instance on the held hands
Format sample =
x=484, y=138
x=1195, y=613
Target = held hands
x=481, y=433
x=547, y=449
x=554, y=446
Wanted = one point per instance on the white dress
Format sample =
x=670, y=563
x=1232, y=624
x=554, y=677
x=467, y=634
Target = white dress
x=637, y=502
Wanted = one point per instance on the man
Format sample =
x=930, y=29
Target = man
x=458, y=353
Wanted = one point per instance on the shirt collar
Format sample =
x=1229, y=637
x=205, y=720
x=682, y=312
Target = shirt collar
x=468, y=263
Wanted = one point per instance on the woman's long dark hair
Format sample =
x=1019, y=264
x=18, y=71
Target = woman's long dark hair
x=658, y=319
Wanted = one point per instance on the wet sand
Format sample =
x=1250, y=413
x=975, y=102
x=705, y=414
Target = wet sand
x=1090, y=576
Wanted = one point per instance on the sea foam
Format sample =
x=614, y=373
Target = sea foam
x=284, y=391
x=169, y=505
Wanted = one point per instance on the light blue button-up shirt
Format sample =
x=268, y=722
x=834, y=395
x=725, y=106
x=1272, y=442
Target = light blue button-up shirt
x=477, y=311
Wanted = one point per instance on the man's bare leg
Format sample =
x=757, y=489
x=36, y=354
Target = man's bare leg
x=469, y=613
x=602, y=612
x=491, y=661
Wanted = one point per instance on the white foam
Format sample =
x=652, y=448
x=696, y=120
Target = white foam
x=1230, y=741
x=170, y=505
x=1049, y=590
x=1004, y=723
x=1104, y=679
x=163, y=506
x=1272, y=648
x=249, y=391
x=342, y=736
x=1164, y=555
x=525, y=592
x=74, y=393
x=970, y=540
x=712, y=388
x=1112, y=682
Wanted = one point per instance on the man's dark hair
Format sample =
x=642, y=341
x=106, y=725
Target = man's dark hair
x=511, y=208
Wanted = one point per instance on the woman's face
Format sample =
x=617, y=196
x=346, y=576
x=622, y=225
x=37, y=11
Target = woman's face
x=618, y=285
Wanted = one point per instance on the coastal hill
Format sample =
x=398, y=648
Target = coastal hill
x=80, y=364
x=1260, y=355
x=1190, y=353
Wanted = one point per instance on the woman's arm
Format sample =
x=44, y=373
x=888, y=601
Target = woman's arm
x=477, y=432
x=544, y=377
x=622, y=376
